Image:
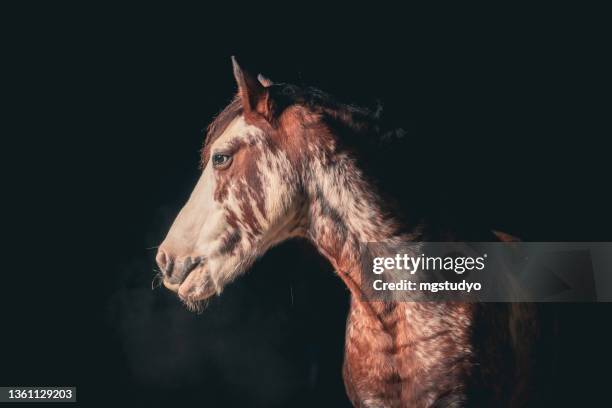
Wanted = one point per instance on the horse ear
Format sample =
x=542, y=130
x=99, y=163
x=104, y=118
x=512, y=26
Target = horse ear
x=254, y=95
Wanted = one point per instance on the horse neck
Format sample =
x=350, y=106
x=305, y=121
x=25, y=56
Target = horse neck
x=345, y=214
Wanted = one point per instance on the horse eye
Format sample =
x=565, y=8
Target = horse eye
x=221, y=160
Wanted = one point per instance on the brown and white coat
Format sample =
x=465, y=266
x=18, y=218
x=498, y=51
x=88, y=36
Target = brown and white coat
x=273, y=169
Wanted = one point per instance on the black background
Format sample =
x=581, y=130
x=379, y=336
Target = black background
x=106, y=111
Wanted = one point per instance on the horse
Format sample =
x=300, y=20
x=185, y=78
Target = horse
x=279, y=162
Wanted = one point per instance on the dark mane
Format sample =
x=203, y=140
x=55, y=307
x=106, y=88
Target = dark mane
x=358, y=120
x=348, y=118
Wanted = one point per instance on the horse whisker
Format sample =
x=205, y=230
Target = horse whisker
x=157, y=280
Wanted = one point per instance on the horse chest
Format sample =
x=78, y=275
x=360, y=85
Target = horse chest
x=394, y=365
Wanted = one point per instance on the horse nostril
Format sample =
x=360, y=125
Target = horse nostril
x=164, y=262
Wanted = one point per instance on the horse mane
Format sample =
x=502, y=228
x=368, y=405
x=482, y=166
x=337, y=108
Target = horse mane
x=345, y=118
x=359, y=120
